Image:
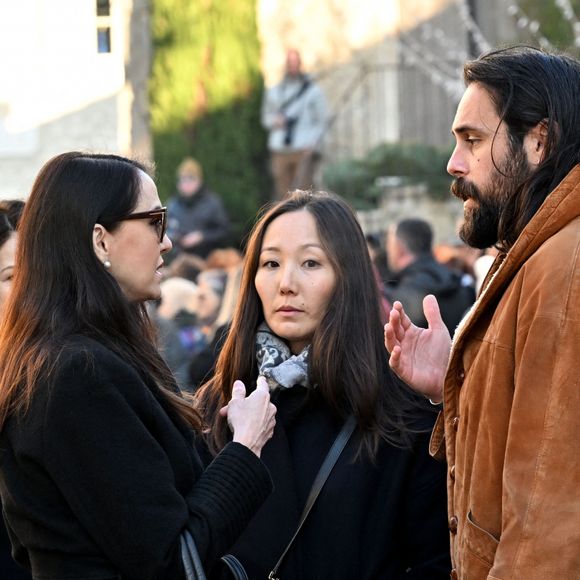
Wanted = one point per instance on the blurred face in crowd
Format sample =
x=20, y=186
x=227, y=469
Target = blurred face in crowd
x=7, y=258
x=293, y=63
x=134, y=248
x=394, y=249
x=188, y=184
x=295, y=279
x=487, y=165
x=208, y=301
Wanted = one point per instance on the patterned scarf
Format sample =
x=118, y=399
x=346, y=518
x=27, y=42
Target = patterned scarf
x=276, y=362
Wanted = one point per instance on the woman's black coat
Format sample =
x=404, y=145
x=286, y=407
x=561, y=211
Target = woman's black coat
x=384, y=520
x=100, y=477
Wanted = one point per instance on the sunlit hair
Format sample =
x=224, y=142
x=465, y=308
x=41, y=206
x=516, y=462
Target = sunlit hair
x=61, y=289
x=529, y=86
x=348, y=361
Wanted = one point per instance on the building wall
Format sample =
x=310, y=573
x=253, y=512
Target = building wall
x=349, y=46
x=392, y=72
x=58, y=92
x=391, y=69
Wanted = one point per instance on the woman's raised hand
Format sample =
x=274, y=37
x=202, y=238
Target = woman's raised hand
x=252, y=418
x=419, y=356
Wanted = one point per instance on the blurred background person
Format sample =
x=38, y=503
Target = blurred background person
x=379, y=264
x=197, y=219
x=211, y=286
x=295, y=114
x=482, y=265
x=202, y=364
x=197, y=301
x=415, y=273
x=176, y=309
x=10, y=212
x=378, y=252
x=186, y=266
x=308, y=319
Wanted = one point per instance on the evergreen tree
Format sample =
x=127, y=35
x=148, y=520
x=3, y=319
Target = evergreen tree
x=205, y=94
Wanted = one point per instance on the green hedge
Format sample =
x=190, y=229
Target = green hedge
x=552, y=23
x=205, y=93
x=356, y=179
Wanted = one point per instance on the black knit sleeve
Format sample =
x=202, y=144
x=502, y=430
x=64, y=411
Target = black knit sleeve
x=111, y=450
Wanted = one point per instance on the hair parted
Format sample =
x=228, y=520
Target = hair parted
x=348, y=361
x=60, y=288
x=528, y=87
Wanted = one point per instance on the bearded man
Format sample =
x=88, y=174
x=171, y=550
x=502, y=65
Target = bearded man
x=510, y=382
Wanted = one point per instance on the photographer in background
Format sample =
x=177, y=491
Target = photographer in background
x=295, y=114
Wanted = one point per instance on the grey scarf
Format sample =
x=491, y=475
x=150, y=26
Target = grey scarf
x=277, y=363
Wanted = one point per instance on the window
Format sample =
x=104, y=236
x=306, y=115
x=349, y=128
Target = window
x=103, y=26
x=103, y=8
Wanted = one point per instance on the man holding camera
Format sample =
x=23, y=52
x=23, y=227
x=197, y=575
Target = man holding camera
x=295, y=114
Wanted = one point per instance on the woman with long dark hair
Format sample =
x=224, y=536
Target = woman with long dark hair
x=308, y=319
x=99, y=476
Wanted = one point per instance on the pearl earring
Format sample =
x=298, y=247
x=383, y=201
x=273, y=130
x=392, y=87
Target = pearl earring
x=107, y=264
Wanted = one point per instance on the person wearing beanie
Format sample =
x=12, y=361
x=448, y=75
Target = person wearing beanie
x=197, y=220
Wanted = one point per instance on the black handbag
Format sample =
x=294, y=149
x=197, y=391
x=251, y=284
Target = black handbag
x=192, y=562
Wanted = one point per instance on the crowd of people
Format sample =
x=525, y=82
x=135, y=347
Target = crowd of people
x=299, y=409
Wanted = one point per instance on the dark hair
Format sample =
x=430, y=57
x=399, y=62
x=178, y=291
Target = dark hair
x=10, y=212
x=60, y=287
x=348, y=360
x=416, y=234
x=529, y=86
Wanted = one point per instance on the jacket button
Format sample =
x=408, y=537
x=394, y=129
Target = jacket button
x=455, y=423
x=453, y=521
x=452, y=472
x=453, y=574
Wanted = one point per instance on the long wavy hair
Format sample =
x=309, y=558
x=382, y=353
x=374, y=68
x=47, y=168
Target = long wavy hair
x=348, y=362
x=529, y=86
x=60, y=288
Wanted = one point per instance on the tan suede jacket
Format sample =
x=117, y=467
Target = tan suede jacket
x=511, y=424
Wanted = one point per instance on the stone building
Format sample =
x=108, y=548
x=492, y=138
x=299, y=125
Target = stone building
x=391, y=68
x=392, y=72
x=73, y=76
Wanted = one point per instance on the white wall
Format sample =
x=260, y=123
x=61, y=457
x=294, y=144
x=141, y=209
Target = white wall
x=57, y=93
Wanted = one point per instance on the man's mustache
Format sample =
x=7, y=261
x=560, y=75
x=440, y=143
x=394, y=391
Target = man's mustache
x=464, y=190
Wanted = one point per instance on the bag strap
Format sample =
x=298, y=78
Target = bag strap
x=305, y=84
x=319, y=481
x=190, y=557
x=235, y=567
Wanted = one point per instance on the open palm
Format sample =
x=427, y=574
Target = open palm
x=419, y=356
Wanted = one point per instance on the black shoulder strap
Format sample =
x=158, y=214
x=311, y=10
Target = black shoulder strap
x=319, y=481
x=296, y=95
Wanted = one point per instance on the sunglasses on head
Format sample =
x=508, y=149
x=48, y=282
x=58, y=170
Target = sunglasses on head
x=158, y=218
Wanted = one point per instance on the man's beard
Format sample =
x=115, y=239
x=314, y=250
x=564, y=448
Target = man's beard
x=480, y=227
